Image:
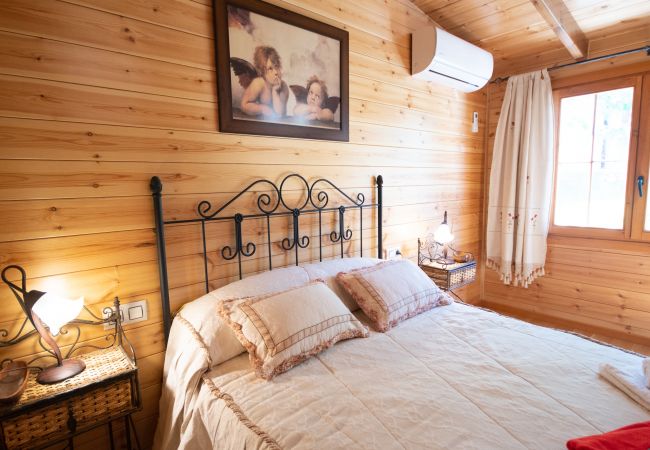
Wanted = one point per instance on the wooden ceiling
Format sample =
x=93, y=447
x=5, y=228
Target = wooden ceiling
x=520, y=36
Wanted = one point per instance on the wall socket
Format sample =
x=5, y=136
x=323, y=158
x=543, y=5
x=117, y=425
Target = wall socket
x=392, y=252
x=130, y=312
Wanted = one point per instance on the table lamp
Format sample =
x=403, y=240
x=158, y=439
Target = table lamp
x=48, y=312
x=443, y=236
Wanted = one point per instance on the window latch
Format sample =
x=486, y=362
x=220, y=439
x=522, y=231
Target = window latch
x=639, y=182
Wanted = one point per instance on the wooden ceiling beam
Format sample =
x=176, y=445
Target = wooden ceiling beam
x=558, y=16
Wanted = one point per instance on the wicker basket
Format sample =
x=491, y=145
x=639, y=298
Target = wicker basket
x=85, y=410
x=451, y=276
x=47, y=413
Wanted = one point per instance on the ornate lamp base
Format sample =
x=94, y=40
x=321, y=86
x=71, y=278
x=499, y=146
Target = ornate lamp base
x=54, y=374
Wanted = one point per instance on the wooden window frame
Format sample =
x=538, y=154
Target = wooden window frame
x=635, y=81
x=642, y=164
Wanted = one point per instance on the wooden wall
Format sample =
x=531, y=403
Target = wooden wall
x=600, y=286
x=98, y=96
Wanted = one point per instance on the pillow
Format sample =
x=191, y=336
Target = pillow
x=283, y=329
x=221, y=342
x=392, y=291
x=327, y=271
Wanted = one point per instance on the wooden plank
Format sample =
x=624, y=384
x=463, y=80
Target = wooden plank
x=584, y=308
x=79, y=253
x=80, y=179
x=38, y=139
x=603, y=335
x=52, y=100
x=183, y=15
x=628, y=331
x=84, y=26
x=558, y=16
x=611, y=262
x=34, y=219
x=58, y=61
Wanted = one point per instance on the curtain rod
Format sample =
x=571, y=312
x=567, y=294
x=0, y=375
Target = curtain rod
x=585, y=61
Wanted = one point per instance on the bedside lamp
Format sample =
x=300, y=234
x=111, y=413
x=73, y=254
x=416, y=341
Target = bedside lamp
x=43, y=310
x=443, y=236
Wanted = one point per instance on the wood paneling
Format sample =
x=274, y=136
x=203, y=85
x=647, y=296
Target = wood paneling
x=98, y=96
x=597, y=285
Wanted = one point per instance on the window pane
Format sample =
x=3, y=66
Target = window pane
x=572, y=199
x=607, y=199
x=594, y=139
x=612, y=125
x=576, y=128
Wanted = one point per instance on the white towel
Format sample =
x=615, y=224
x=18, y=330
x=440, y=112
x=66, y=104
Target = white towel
x=646, y=371
x=630, y=381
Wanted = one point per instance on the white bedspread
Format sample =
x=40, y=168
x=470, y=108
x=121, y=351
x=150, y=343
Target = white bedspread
x=456, y=377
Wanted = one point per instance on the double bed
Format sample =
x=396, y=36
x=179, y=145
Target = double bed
x=453, y=377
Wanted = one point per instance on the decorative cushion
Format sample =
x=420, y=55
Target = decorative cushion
x=392, y=291
x=327, y=271
x=219, y=338
x=280, y=330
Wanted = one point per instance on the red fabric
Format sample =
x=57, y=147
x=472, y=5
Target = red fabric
x=631, y=437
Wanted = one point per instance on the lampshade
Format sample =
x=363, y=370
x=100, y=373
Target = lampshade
x=55, y=311
x=443, y=232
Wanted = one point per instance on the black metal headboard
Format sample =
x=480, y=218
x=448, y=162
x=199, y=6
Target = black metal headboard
x=269, y=205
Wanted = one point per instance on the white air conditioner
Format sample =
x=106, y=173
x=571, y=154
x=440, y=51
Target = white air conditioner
x=448, y=60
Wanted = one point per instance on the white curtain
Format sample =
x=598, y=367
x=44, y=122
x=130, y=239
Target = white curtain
x=521, y=180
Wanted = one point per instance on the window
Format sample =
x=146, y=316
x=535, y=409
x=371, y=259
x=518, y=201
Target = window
x=598, y=159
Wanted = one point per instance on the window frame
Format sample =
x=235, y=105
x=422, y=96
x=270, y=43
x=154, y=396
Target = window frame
x=635, y=81
x=642, y=164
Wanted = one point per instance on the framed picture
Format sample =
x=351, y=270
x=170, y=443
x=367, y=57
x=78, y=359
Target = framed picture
x=280, y=73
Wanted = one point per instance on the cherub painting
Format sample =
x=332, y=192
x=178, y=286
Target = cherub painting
x=265, y=93
x=282, y=69
x=312, y=101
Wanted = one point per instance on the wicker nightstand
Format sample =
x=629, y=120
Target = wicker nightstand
x=450, y=276
x=447, y=276
x=46, y=414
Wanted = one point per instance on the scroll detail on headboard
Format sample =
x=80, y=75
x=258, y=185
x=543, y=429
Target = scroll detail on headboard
x=269, y=205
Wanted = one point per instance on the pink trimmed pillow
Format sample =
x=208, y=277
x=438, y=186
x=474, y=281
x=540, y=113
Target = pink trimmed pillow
x=281, y=330
x=392, y=291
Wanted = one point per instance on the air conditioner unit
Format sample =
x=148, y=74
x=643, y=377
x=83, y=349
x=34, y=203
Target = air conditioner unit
x=445, y=59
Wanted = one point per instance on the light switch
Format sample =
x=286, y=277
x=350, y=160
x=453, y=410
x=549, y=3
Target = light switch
x=135, y=312
x=475, y=122
x=130, y=313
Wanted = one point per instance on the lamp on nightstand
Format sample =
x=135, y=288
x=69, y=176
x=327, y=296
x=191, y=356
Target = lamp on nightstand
x=48, y=313
x=443, y=236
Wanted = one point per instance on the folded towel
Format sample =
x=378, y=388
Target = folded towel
x=646, y=371
x=631, y=437
x=630, y=381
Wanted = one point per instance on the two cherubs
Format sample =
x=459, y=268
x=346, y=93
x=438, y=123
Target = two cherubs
x=266, y=94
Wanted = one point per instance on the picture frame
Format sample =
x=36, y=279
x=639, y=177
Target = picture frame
x=280, y=73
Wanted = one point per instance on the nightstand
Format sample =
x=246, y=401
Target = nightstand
x=450, y=276
x=47, y=414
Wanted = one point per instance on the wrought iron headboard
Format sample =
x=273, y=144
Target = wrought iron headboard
x=268, y=208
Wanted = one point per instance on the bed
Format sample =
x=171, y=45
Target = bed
x=454, y=377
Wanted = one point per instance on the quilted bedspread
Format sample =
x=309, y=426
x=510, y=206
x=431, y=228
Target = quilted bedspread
x=456, y=377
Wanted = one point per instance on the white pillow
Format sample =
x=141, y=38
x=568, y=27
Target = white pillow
x=327, y=271
x=218, y=337
x=392, y=291
x=282, y=329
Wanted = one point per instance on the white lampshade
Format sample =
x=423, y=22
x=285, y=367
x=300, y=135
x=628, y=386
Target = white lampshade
x=443, y=234
x=55, y=311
